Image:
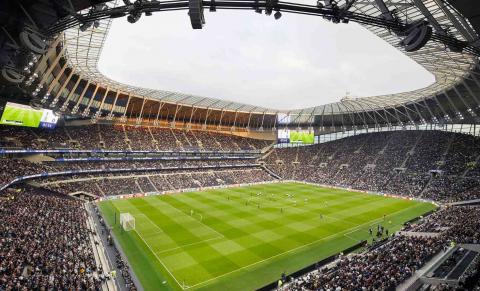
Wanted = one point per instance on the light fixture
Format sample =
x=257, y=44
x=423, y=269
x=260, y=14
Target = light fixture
x=85, y=26
x=134, y=16
x=277, y=15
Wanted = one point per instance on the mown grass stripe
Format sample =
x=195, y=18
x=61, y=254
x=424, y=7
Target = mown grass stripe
x=258, y=243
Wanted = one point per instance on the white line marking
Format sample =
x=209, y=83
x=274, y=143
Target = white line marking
x=151, y=221
x=302, y=246
x=155, y=254
x=347, y=236
x=178, y=210
x=339, y=219
x=191, y=244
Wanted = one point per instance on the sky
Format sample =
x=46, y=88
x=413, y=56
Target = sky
x=295, y=62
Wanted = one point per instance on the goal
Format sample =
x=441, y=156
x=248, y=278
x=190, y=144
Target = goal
x=127, y=221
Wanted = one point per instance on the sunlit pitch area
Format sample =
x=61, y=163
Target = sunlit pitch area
x=243, y=238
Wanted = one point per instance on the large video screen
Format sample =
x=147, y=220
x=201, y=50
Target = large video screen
x=24, y=115
x=302, y=136
x=295, y=136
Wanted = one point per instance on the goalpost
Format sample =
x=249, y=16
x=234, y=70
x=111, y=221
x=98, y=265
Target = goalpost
x=127, y=221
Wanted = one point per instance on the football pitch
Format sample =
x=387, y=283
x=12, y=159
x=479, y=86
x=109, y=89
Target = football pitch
x=243, y=238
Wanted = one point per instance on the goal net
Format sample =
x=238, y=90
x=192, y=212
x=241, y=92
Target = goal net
x=127, y=221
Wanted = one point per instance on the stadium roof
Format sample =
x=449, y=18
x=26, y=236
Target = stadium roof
x=83, y=50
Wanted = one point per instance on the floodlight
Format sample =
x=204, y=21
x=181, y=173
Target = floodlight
x=277, y=15
x=134, y=17
x=85, y=26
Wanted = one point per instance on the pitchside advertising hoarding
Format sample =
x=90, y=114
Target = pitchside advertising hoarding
x=24, y=115
x=297, y=136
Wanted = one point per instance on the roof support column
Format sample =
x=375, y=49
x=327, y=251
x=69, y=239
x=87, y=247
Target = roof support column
x=65, y=103
x=123, y=119
x=52, y=65
x=80, y=97
x=110, y=114
x=470, y=91
x=275, y=121
x=454, y=20
x=155, y=122
x=263, y=118
x=248, y=122
x=234, y=121
x=194, y=109
x=469, y=110
x=52, y=84
x=445, y=116
x=220, y=121
x=140, y=116
x=422, y=118
x=177, y=109
x=433, y=117
x=99, y=109
x=57, y=96
x=204, y=126
x=86, y=111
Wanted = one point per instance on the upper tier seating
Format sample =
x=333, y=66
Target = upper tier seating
x=123, y=137
x=430, y=164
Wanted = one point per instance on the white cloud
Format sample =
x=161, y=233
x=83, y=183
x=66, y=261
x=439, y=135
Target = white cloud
x=295, y=62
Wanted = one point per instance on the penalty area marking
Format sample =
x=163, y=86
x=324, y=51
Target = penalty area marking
x=154, y=224
x=155, y=254
x=191, y=244
x=193, y=219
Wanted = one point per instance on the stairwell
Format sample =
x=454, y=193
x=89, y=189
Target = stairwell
x=151, y=183
x=273, y=174
x=138, y=185
x=186, y=138
x=197, y=141
x=154, y=140
x=412, y=150
x=177, y=141
x=126, y=139
x=100, y=137
x=477, y=162
x=99, y=188
x=268, y=151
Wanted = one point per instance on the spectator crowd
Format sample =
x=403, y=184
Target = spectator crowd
x=387, y=266
x=44, y=238
x=44, y=243
x=123, y=137
x=441, y=166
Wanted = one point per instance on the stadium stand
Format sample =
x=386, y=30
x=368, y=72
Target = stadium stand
x=387, y=266
x=115, y=140
x=122, y=137
x=44, y=243
x=401, y=163
x=428, y=164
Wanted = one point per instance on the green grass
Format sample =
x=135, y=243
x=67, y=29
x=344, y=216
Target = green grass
x=228, y=245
